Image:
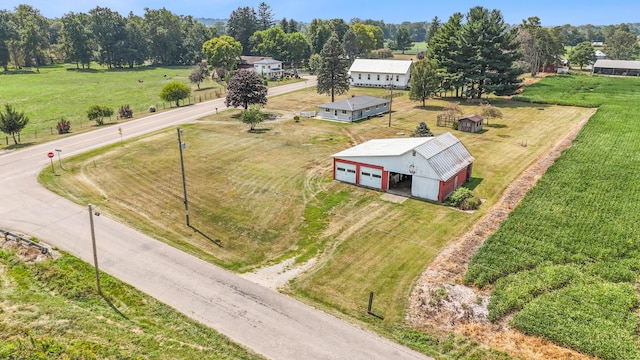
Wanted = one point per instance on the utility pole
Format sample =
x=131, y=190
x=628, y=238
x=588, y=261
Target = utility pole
x=182, y=145
x=95, y=254
x=390, y=99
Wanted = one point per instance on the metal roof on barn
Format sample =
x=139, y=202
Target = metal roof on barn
x=381, y=66
x=355, y=103
x=446, y=155
x=617, y=64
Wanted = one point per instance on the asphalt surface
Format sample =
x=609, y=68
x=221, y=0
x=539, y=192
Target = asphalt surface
x=261, y=319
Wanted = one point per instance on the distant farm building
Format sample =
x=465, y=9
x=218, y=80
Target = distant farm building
x=380, y=73
x=430, y=168
x=617, y=67
x=470, y=123
x=354, y=108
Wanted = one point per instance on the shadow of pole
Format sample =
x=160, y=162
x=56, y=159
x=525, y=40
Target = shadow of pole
x=216, y=241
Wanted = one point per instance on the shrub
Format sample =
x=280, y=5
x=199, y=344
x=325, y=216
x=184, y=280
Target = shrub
x=464, y=199
x=296, y=118
x=98, y=113
x=125, y=112
x=63, y=126
x=152, y=108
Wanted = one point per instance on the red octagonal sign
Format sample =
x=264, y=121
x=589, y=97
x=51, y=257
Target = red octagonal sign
x=50, y=155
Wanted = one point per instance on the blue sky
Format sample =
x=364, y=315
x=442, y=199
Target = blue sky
x=557, y=12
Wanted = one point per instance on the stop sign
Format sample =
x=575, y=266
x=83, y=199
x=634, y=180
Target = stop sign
x=50, y=155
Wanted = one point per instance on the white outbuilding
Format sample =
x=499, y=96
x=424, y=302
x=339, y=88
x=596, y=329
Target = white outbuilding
x=430, y=168
x=380, y=73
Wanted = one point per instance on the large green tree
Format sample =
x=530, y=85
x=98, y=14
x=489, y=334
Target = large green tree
x=297, y=49
x=539, y=45
x=333, y=76
x=424, y=80
x=270, y=42
x=403, y=40
x=246, y=88
x=319, y=32
x=164, y=33
x=582, y=54
x=622, y=45
x=109, y=31
x=136, y=49
x=242, y=23
x=194, y=34
x=33, y=35
x=76, y=39
x=222, y=52
x=12, y=121
x=265, y=17
x=8, y=33
x=488, y=52
x=350, y=43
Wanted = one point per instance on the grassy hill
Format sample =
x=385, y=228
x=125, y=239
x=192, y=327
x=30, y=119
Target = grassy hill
x=51, y=310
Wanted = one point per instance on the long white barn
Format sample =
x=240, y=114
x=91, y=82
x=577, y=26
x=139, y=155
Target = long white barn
x=431, y=167
x=380, y=73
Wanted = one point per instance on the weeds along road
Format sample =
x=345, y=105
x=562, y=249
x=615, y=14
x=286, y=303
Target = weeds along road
x=266, y=321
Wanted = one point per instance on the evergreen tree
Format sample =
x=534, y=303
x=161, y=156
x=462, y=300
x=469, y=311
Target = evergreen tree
x=444, y=48
x=242, y=23
x=422, y=130
x=403, y=40
x=488, y=52
x=333, y=77
x=265, y=17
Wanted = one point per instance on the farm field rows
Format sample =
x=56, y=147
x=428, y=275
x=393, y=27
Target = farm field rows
x=565, y=264
x=258, y=198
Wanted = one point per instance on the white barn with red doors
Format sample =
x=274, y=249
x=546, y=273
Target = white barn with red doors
x=429, y=168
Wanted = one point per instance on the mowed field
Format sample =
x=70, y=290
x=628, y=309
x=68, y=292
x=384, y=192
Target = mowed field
x=565, y=265
x=258, y=198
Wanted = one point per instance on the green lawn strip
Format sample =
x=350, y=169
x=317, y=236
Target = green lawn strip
x=581, y=216
x=51, y=310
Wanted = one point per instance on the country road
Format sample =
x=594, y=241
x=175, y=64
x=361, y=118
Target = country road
x=264, y=320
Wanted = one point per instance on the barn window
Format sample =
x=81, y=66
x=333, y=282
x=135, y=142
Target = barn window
x=351, y=171
x=359, y=76
x=366, y=173
x=341, y=169
x=327, y=110
x=378, y=77
x=397, y=78
x=377, y=106
x=377, y=176
x=368, y=76
x=344, y=111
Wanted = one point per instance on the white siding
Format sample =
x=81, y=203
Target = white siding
x=371, y=177
x=425, y=188
x=345, y=172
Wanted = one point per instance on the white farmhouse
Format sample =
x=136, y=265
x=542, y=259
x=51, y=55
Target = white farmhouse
x=380, y=73
x=269, y=68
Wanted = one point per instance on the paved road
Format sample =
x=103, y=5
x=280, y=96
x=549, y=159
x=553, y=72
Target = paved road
x=266, y=321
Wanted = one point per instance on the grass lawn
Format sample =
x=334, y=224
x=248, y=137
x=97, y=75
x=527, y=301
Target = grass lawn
x=51, y=310
x=565, y=264
x=62, y=91
x=268, y=195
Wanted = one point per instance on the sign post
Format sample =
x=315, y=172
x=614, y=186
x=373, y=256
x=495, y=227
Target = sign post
x=59, y=160
x=50, y=155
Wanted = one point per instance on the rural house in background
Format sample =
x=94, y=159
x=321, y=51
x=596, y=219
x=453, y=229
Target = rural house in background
x=470, y=123
x=430, y=168
x=269, y=68
x=354, y=108
x=380, y=73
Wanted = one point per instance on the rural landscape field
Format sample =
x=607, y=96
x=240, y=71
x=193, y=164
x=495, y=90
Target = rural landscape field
x=356, y=241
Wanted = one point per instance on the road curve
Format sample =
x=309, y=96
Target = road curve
x=264, y=320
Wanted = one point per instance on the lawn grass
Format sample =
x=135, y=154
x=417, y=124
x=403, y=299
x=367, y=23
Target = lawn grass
x=566, y=261
x=62, y=91
x=51, y=310
x=268, y=195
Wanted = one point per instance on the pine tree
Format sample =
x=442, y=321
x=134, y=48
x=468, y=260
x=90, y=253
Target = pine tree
x=333, y=77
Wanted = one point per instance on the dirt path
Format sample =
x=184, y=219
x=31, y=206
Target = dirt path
x=439, y=300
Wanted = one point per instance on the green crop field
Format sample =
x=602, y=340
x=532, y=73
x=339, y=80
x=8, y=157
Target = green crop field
x=51, y=310
x=266, y=196
x=565, y=264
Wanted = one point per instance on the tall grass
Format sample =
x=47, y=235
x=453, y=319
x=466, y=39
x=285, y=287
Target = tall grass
x=566, y=260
